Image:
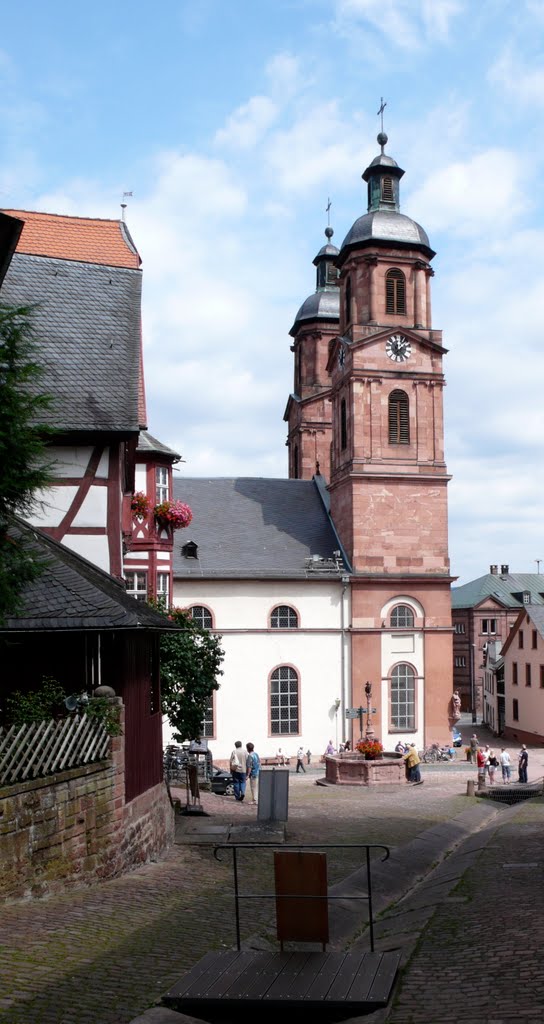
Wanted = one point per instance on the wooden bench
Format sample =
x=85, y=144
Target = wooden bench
x=274, y=762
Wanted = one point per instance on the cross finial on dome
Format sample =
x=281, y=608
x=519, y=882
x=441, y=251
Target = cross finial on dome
x=382, y=137
x=328, y=230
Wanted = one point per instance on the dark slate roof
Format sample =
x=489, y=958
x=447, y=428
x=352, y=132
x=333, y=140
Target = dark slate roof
x=252, y=527
x=508, y=589
x=10, y=231
x=87, y=326
x=387, y=226
x=321, y=305
x=148, y=443
x=73, y=594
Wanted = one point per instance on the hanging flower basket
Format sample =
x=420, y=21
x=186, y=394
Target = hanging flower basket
x=174, y=515
x=140, y=505
x=372, y=749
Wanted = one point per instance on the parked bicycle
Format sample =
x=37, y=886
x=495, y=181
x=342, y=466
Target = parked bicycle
x=437, y=753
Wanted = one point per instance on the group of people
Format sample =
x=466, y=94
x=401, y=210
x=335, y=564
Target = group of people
x=245, y=767
x=487, y=761
x=411, y=763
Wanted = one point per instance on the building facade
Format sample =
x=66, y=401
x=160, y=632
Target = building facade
x=365, y=427
x=523, y=656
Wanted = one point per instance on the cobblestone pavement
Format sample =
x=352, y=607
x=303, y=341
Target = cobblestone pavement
x=106, y=953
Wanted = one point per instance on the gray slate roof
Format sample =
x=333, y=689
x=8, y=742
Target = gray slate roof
x=87, y=326
x=73, y=594
x=148, y=443
x=387, y=226
x=508, y=589
x=322, y=305
x=252, y=527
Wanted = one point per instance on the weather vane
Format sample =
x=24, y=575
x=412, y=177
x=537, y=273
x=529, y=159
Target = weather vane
x=328, y=211
x=381, y=110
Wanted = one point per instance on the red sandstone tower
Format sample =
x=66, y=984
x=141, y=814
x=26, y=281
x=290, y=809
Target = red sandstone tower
x=308, y=411
x=388, y=477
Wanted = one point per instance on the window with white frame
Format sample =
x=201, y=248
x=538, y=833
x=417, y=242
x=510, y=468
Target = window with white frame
x=283, y=617
x=202, y=616
x=161, y=484
x=403, y=697
x=136, y=585
x=163, y=587
x=284, y=713
x=459, y=627
x=489, y=626
x=460, y=661
x=402, y=616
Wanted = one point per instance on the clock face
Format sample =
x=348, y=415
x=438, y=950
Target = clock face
x=398, y=348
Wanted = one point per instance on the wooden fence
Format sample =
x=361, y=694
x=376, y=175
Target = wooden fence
x=43, y=748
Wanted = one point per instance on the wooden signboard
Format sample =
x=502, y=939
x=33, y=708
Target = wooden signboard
x=301, y=920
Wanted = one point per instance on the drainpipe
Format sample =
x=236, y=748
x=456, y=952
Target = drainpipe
x=345, y=585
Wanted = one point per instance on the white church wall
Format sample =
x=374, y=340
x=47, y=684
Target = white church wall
x=252, y=651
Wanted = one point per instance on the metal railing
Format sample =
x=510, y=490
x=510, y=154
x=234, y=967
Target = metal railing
x=367, y=847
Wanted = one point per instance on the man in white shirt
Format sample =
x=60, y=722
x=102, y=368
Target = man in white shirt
x=504, y=761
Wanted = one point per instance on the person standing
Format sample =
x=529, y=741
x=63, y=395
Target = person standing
x=413, y=762
x=474, y=744
x=300, y=762
x=253, y=767
x=504, y=759
x=523, y=761
x=492, y=765
x=330, y=748
x=481, y=761
x=238, y=771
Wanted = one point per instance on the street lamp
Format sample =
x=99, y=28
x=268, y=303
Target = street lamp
x=369, y=729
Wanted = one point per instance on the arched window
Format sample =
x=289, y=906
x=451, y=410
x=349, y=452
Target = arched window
x=343, y=425
x=399, y=418
x=283, y=617
x=347, y=301
x=201, y=616
x=403, y=697
x=284, y=714
x=395, y=292
x=388, y=195
x=402, y=616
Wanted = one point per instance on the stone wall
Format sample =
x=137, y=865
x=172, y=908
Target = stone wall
x=74, y=827
x=344, y=770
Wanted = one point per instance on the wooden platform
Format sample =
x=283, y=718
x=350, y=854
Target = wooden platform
x=332, y=985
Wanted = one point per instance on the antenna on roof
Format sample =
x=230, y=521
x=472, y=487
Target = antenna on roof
x=538, y=561
x=124, y=205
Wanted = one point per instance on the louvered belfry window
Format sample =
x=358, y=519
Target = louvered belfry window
x=388, y=195
x=399, y=418
x=347, y=301
x=395, y=292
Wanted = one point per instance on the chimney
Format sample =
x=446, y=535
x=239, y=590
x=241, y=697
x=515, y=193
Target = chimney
x=505, y=569
x=494, y=570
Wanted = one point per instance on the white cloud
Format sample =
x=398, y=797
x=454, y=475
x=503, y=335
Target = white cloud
x=247, y=125
x=408, y=24
x=514, y=75
x=320, y=147
x=469, y=197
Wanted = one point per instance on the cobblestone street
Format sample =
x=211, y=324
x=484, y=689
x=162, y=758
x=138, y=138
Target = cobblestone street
x=105, y=954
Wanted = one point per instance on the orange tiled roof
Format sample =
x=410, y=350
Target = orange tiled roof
x=84, y=239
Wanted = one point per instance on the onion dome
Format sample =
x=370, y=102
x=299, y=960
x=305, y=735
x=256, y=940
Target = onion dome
x=384, y=224
x=324, y=303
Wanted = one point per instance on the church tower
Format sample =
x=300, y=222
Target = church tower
x=388, y=483
x=308, y=410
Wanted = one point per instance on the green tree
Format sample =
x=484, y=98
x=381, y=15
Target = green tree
x=23, y=460
x=191, y=659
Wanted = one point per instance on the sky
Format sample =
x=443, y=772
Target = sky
x=232, y=122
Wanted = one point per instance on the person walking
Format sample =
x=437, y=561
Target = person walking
x=253, y=767
x=523, y=761
x=492, y=765
x=474, y=745
x=238, y=771
x=504, y=759
x=300, y=762
x=481, y=760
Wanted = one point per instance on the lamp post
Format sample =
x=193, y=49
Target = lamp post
x=369, y=729
x=336, y=706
